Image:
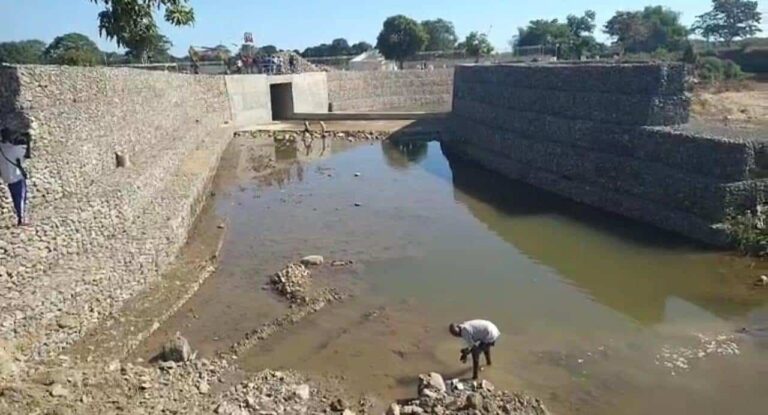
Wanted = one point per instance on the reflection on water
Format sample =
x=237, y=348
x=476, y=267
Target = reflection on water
x=586, y=300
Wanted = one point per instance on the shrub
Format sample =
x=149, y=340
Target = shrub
x=748, y=233
x=690, y=56
x=712, y=69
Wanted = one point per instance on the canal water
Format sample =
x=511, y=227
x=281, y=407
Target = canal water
x=598, y=314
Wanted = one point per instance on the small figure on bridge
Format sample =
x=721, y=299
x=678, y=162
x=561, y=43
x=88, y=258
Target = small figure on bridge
x=15, y=147
x=480, y=336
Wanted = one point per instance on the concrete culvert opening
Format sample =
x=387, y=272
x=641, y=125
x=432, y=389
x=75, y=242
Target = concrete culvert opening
x=282, y=101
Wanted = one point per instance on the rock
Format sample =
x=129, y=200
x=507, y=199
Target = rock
x=203, y=387
x=357, y=174
x=433, y=382
x=341, y=263
x=170, y=365
x=347, y=412
x=762, y=281
x=394, y=409
x=302, y=392
x=312, y=260
x=486, y=385
x=473, y=401
x=114, y=366
x=339, y=405
x=357, y=204
x=66, y=322
x=59, y=391
x=7, y=365
x=177, y=349
x=411, y=409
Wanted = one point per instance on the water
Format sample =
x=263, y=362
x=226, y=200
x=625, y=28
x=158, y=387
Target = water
x=599, y=314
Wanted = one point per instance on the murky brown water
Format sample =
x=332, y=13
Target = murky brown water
x=593, y=308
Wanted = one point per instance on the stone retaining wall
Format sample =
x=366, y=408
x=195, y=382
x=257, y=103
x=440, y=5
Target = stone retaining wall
x=101, y=233
x=598, y=134
x=386, y=90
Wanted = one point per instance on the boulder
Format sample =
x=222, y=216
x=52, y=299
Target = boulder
x=339, y=405
x=177, y=350
x=474, y=401
x=302, y=392
x=411, y=409
x=394, y=409
x=432, y=382
x=312, y=260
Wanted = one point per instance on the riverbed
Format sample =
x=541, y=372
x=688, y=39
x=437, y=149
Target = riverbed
x=598, y=314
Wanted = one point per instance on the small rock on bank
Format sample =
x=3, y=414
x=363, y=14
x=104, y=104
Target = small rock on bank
x=312, y=260
x=176, y=350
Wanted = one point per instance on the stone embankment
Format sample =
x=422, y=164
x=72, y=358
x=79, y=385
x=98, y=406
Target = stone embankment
x=100, y=233
x=387, y=90
x=611, y=136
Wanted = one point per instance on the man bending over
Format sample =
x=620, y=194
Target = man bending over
x=480, y=336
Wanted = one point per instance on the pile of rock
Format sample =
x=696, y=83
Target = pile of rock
x=465, y=397
x=272, y=392
x=291, y=282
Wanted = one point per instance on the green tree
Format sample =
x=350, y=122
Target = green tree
x=22, y=52
x=442, y=35
x=542, y=33
x=131, y=22
x=580, y=39
x=647, y=30
x=729, y=20
x=73, y=49
x=400, y=38
x=360, y=47
x=571, y=39
x=477, y=45
x=154, y=48
x=268, y=50
x=340, y=47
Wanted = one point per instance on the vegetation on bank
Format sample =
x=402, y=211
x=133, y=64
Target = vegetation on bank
x=748, y=233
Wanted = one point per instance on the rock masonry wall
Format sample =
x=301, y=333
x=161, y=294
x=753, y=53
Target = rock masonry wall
x=386, y=90
x=101, y=233
x=601, y=135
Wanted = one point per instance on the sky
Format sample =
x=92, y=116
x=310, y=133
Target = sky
x=297, y=24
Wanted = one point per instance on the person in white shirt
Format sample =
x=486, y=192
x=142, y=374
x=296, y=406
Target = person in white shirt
x=14, y=148
x=480, y=336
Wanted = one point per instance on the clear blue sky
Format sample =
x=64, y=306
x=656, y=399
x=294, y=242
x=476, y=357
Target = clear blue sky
x=296, y=24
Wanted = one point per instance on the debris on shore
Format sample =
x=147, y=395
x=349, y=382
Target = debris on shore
x=437, y=396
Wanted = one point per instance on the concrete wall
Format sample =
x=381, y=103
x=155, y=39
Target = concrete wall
x=101, y=233
x=250, y=97
x=597, y=134
x=388, y=90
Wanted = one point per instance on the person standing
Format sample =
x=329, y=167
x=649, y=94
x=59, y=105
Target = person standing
x=13, y=149
x=480, y=336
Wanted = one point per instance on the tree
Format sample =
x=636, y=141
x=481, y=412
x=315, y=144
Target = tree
x=477, y=45
x=339, y=47
x=132, y=22
x=22, y=52
x=442, y=35
x=571, y=39
x=400, y=38
x=268, y=50
x=580, y=39
x=646, y=30
x=729, y=20
x=73, y=49
x=360, y=47
x=154, y=48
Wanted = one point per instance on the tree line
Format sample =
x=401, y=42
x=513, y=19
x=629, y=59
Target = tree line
x=131, y=24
